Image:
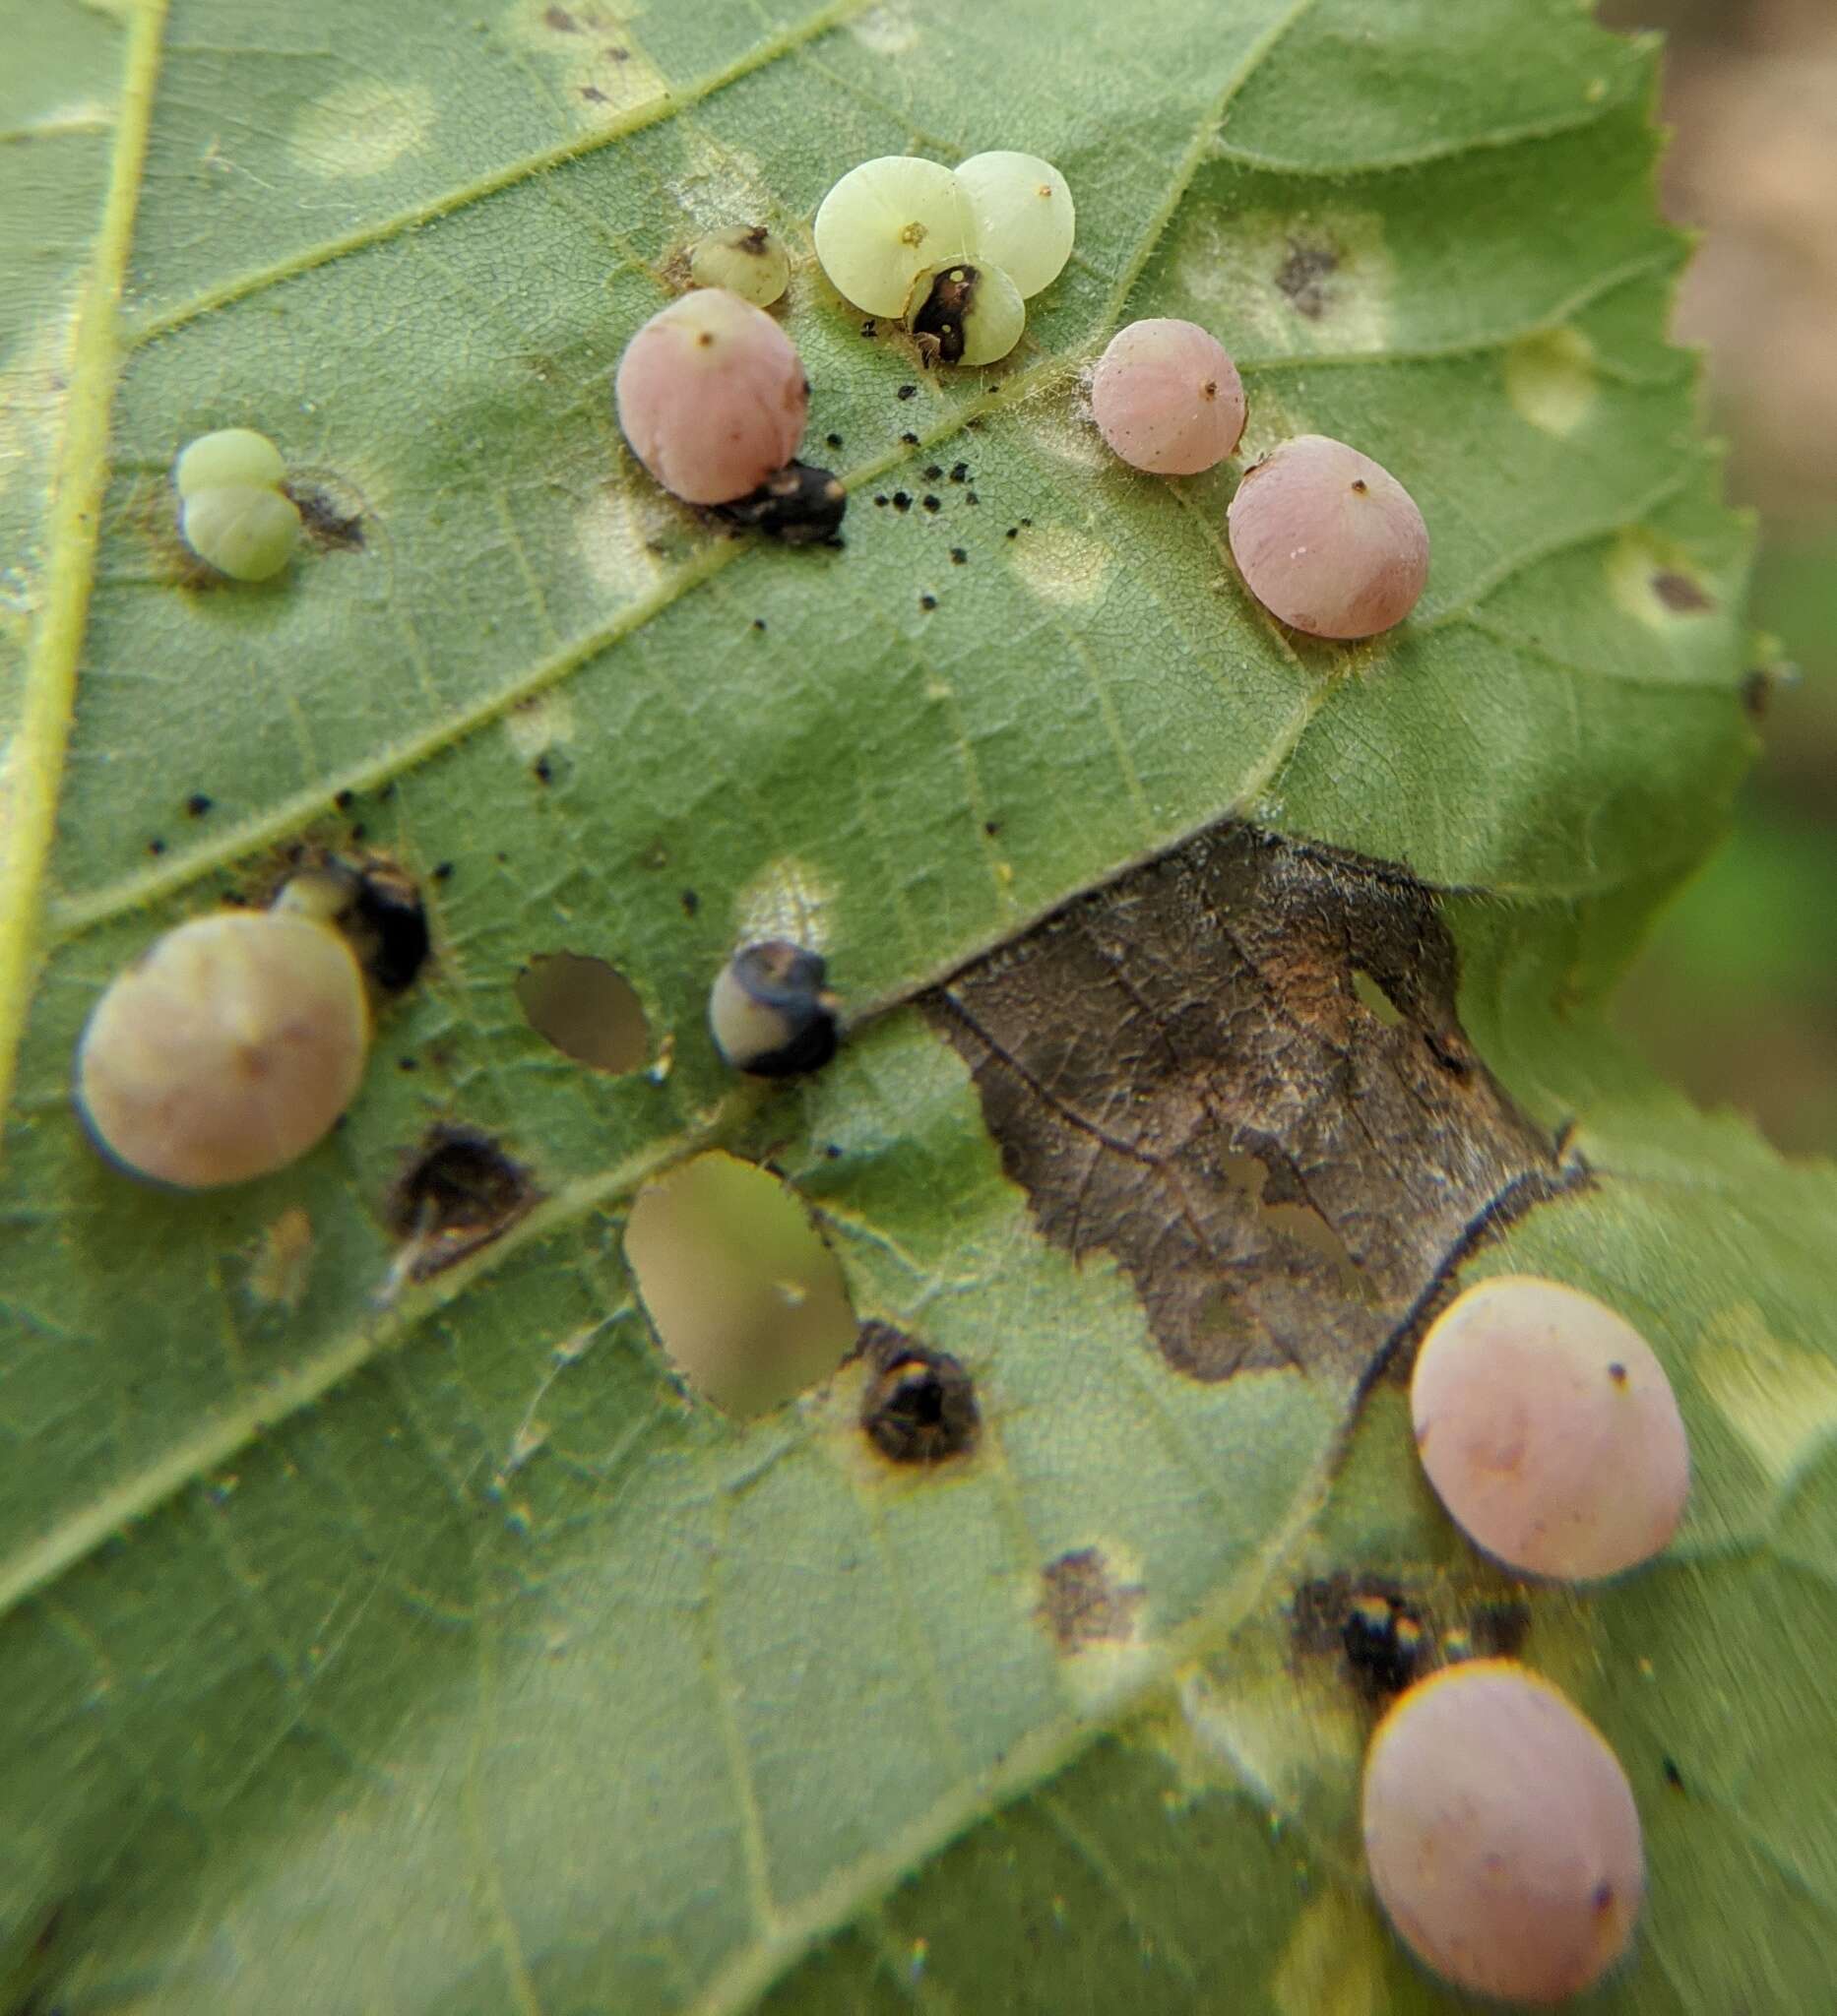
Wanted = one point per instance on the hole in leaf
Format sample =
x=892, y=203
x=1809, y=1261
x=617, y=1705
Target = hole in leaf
x=743, y=1294
x=1372, y=995
x=587, y=1009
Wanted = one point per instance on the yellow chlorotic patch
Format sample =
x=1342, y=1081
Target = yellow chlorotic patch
x=886, y=31
x=1295, y=281
x=1780, y=1400
x=1655, y=582
x=362, y=128
x=788, y=898
x=614, y=529
x=1272, y=1735
x=83, y=115
x=1061, y=565
x=1551, y=379
x=720, y=185
x=1070, y=437
x=33, y=387
x=597, y=67
x=1333, y=1963
x=284, y=1259
x=545, y=722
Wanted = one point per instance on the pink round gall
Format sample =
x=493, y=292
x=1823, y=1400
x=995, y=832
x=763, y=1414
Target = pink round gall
x=712, y=397
x=1549, y=1431
x=1328, y=540
x=1167, y=398
x=1502, y=1836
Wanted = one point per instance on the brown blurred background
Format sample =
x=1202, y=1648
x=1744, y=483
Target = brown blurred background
x=1736, y=996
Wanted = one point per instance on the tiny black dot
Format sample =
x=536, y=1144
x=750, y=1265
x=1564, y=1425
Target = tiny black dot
x=974, y=423
x=931, y=503
x=969, y=497
x=360, y=831
x=911, y=440
x=545, y=770
x=345, y=801
x=960, y=472
x=958, y=557
x=691, y=902
x=834, y=440
x=1027, y=521
x=1014, y=532
x=407, y=1064
x=881, y=501
x=197, y=804
x=868, y=329
x=1673, y=1776
x=443, y=871
x=502, y=858
x=934, y=472
x=155, y=847
x=928, y=601
x=901, y=502
x=758, y=622
x=833, y=1152
x=1617, y=1373
x=909, y=392
x=992, y=826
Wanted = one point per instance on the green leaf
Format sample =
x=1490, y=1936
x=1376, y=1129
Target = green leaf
x=401, y=1637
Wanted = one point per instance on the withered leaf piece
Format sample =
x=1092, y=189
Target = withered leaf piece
x=1182, y=1072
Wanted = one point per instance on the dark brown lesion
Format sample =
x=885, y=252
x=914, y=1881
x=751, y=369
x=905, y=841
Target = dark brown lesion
x=1181, y=1075
x=918, y=1404
x=1082, y=1603
x=1381, y=1634
x=937, y=326
x=457, y=1192
x=1681, y=594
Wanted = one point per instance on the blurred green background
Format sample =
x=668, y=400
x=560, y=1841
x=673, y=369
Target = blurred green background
x=1736, y=996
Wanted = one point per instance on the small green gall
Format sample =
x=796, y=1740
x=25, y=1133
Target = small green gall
x=244, y=532
x=230, y=457
x=1024, y=217
x=747, y=260
x=888, y=223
